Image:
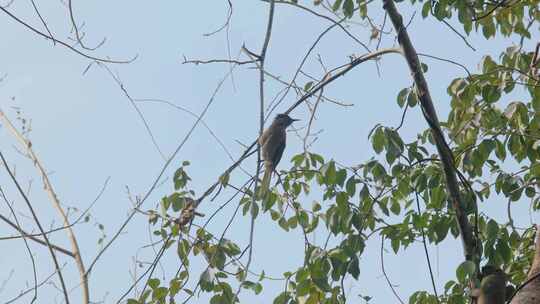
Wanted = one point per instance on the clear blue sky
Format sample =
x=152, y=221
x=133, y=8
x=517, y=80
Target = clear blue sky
x=85, y=130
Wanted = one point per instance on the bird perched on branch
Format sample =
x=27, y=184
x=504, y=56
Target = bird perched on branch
x=272, y=143
x=493, y=289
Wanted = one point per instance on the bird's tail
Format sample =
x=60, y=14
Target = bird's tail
x=265, y=184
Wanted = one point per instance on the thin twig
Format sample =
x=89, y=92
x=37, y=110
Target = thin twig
x=22, y=293
x=17, y=226
x=78, y=36
x=197, y=62
x=338, y=23
x=496, y=6
x=262, y=59
x=55, y=201
x=446, y=60
x=386, y=275
x=160, y=174
x=38, y=223
x=43, y=21
x=25, y=235
x=36, y=31
x=346, y=68
x=227, y=21
x=424, y=243
x=118, y=81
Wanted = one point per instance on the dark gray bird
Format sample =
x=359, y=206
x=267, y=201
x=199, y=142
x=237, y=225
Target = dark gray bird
x=493, y=286
x=272, y=143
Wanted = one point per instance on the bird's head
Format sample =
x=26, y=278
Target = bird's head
x=284, y=120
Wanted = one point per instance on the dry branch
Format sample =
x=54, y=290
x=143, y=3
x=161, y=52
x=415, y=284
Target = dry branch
x=26, y=144
x=33, y=238
x=38, y=223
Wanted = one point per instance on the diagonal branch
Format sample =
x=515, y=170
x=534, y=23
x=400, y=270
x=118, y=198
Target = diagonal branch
x=46, y=36
x=428, y=110
x=26, y=144
x=38, y=223
x=33, y=238
x=32, y=259
x=326, y=81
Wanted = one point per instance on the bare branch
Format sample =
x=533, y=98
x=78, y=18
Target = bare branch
x=346, y=68
x=163, y=169
x=262, y=59
x=386, y=275
x=26, y=144
x=36, y=31
x=120, y=84
x=17, y=226
x=43, y=21
x=227, y=21
x=25, y=235
x=78, y=36
x=34, y=215
x=197, y=62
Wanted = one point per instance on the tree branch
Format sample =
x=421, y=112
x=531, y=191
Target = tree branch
x=428, y=110
x=34, y=215
x=26, y=144
x=33, y=238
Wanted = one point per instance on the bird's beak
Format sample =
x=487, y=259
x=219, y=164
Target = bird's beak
x=295, y=119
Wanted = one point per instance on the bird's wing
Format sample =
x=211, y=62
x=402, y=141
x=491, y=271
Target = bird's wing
x=278, y=151
x=264, y=137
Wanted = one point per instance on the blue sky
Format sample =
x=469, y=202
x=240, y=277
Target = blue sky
x=85, y=130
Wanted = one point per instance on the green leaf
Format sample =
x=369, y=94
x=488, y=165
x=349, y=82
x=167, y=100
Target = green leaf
x=395, y=208
x=336, y=5
x=426, y=8
x=303, y=287
x=180, y=178
x=329, y=173
x=424, y=67
x=174, y=286
x=354, y=268
x=395, y=244
x=308, y=86
x=348, y=8
x=491, y=93
x=488, y=65
x=363, y=10
x=207, y=279
x=230, y=248
x=535, y=94
x=378, y=140
x=218, y=258
x=283, y=297
x=322, y=284
x=504, y=251
x=465, y=270
x=224, y=179
x=402, y=97
x=350, y=186
x=492, y=230
x=159, y=293
x=254, y=210
x=153, y=283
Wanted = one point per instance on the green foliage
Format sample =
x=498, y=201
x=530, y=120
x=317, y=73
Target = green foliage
x=399, y=194
x=485, y=17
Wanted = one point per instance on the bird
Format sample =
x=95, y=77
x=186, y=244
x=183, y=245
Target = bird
x=493, y=287
x=272, y=144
